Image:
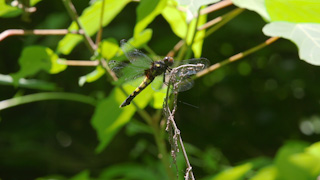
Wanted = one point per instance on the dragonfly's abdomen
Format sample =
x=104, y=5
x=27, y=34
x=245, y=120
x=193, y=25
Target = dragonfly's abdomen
x=147, y=80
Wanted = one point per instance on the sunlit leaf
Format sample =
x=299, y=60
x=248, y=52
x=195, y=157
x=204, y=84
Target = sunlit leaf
x=108, y=118
x=198, y=40
x=255, y=5
x=143, y=38
x=34, y=59
x=91, y=77
x=109, y=48
x=146, y=12
x=266, y=173
x=178, y=24
x=84, y=175
x=176, y=19
x=90, y=21
x=192, y=6
x=158, y=98
x=235, y=173
x=131, y=171
x=314, y=149
x=306, y=36
x=298, y=11
x=283, y=162
x=7, y=11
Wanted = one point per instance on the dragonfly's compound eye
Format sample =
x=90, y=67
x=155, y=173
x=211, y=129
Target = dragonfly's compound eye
x=168, y=60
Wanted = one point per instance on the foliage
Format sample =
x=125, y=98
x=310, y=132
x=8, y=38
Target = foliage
x=183, y=28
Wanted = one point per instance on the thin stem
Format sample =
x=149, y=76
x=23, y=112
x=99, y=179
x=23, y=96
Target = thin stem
x=78, y=62
x=46, y=96
x=42, y=32
x=99, y=35
x=225, y=19
x=73, y=13
x=236, y=57
x=216, y=6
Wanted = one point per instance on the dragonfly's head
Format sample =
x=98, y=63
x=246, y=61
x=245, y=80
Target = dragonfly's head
x=168, y=60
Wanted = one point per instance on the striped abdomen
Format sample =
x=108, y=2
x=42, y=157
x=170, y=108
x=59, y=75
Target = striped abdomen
x=144, y=84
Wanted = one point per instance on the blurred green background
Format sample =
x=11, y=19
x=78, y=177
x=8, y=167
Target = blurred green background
x=245, y=110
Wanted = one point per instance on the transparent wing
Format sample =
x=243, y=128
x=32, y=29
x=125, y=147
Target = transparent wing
x=135, y=56
x=126, y=72
x=182, y=75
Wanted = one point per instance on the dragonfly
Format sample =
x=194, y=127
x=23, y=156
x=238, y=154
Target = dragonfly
x=142, y=65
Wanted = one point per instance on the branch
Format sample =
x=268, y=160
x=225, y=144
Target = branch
x=73, y=13
x=41, y=32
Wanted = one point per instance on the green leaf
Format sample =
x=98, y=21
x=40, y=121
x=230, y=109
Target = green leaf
x=192, y=6
x=84, y=175
x=283, y=161
x=158, y=98
x=235, y=173
x=297, y=11
x=93, y=76
x=254, y=5
x=306, y=36
x=7, y=11
x=109, y=48
x=146, y=12
x=34, y=59
x=143, y=38
x=266, y=173
x=108, y=118
x=90, y=22
x=179, y=26
x=130, y=171
x=314, y=149
x=175, y=18
x=198, y=40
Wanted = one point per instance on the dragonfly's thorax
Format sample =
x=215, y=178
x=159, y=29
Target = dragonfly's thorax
x=157, y=68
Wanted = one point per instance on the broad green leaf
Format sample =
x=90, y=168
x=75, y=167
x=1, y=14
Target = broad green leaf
x=158, y=98
x=143, y=38
x=254, y=5
x=131, y=171
x=109, y=48
x=7, y=11
x=198, y=40
x=108, y=118
x=34, y=59
x=297, y=11
x=178, y=24
x=90, y=20
x=192, y=6
x=306, y=36
x=266, y=173
x=84, y=175
x=283, y=161
x=235, y=173
x=176, y=19
x=29, y=83
x=146, y=12
x=91, y=77
x=314, y=149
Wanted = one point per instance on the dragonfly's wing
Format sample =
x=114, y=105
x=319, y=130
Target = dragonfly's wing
x=125, y=71
x=203, y=61
x=182, y=74
x=135, y=56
